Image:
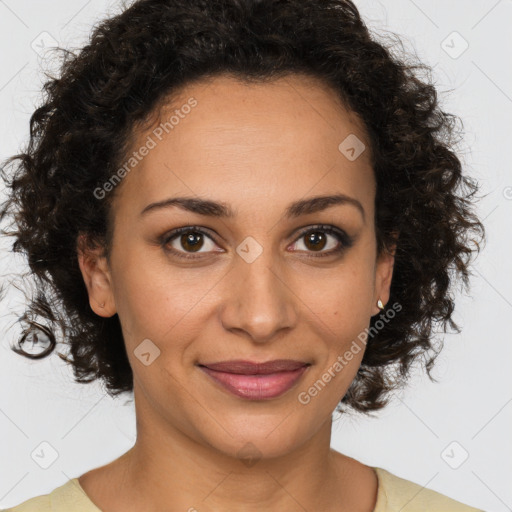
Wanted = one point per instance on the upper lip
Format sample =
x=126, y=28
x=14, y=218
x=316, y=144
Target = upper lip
x=251, y=368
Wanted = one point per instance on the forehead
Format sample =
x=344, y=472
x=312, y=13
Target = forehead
x=229, y=139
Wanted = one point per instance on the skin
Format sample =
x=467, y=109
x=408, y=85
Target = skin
x=257, y=148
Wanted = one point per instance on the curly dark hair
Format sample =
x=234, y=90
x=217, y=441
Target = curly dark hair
x=136, y=60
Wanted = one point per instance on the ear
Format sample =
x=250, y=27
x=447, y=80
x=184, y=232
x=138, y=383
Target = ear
x=97, y=278
x=383, y=275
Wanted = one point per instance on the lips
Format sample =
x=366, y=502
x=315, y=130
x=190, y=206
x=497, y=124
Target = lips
x=256, y=381
x=250, y=368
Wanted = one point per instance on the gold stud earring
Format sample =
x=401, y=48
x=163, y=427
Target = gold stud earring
x=380, y=305
x=102, y=305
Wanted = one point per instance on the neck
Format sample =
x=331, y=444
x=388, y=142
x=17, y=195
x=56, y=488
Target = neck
x=180, y=471
x=168, y=469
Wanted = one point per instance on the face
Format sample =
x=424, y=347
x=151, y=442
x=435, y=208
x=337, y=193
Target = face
x=268, y=282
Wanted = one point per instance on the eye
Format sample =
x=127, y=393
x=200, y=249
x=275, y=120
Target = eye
x=190, y=238
x=184, y=242
x=315, y=239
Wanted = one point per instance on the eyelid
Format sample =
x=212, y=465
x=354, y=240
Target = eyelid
x=342, y=236
x=173, y=233
x=344, y=239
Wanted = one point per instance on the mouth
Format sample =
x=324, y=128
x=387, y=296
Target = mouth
x=256, y=381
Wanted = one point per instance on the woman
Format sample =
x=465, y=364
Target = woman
x=253, y=216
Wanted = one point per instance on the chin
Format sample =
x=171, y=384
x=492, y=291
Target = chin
x=251, y=437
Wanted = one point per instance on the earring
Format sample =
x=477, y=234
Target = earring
x=102, y=305
x=380, y=305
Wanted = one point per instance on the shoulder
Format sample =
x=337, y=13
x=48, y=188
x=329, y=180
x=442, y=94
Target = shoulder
x=36, y=504
x=67, y=497
x=395, y=493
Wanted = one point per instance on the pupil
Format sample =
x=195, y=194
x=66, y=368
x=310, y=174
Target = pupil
x=314, y=238
x=191, y=241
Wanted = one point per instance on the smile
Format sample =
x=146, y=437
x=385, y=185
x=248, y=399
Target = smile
x=256, y=381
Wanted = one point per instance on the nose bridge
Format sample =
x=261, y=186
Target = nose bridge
x=260, y=303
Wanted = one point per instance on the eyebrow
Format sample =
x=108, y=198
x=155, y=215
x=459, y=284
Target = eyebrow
x=222, y=210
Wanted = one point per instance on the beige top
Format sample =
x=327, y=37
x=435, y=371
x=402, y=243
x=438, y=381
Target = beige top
x=394, y=494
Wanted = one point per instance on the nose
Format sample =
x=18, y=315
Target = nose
x=259, y=302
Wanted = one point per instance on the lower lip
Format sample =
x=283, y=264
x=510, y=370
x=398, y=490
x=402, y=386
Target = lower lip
x=256, y=387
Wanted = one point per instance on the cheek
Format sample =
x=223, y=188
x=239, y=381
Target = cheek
x=159, y=304
x=341, y=298
x=340, y=309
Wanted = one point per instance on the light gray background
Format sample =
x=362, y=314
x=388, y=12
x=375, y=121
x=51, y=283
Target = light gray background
x=471, y=405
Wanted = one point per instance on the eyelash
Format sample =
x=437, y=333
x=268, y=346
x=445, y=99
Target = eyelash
x=345, y=240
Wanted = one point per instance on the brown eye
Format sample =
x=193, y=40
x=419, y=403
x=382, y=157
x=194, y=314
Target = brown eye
x=184, y=242
x=191, y=241
x=187, y=240
x=316, y=239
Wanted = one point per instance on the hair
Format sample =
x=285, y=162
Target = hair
x=138, y=59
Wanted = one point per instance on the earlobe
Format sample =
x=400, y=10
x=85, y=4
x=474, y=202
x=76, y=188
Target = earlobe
x=97, y=279
x=384, y=276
